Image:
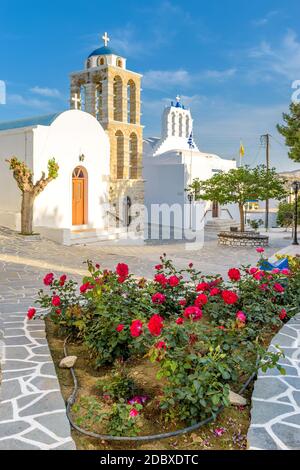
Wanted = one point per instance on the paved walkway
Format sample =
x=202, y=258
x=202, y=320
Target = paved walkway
x=32, y=411
x=275, y=414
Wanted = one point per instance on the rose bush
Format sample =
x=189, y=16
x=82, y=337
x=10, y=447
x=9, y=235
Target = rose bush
x=204, y=333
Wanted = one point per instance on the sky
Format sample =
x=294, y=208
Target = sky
x=232, y=62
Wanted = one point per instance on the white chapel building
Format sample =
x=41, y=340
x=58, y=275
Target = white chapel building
x=173, y=161
x=79, y=195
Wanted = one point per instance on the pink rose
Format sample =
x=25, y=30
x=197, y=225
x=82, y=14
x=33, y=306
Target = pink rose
x=241, y=316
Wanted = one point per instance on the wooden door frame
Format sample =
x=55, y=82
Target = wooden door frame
x=85, y=191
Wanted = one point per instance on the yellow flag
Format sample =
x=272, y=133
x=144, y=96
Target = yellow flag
x=242, y=150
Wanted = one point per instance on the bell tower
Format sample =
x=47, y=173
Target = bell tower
x=112, y=94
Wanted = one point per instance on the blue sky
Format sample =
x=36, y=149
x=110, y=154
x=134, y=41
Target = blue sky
x=233, y=62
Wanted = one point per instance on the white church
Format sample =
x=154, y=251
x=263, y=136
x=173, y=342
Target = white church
x=102, y=158
x=173, y=161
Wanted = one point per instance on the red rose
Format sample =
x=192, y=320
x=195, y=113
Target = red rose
x=136, y=328
x=120, y=327
x=278, y=287
x=214, y=291
x=58, y=311
x=202, y=286
x=179, y=321
x=155, y=325
x=193, y=312
x=240, y=316
x=234, y=274
x=282, y=314
x=253, y=270
x=31, y=312
x=158, y=298
x=191, y=265
x=121, y=279
x=158, y=267
x=229, y=297
x=182, y=302
x=173, y=281
x=260, y=249
x=48, y=279
x=62, y=280
x=56, y=301
x=161, y=345
x=97, y=266
x=161, y=279
x=86, y=287
x=201, y=300
x=122, y=270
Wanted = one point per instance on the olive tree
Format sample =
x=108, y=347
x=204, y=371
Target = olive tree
x=239, y=185
x=30, y=190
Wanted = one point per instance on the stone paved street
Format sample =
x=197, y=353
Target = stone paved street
x=275, y=415
x=32, y=411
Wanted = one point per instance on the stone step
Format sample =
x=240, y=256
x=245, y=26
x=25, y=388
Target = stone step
x=85, y=237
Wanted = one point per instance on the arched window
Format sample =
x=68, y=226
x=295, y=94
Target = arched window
x=88, y=63
x=118, y=98
x=187, y=127
x=119, y=63
x=100, y=61
x=133, y=156
x=99, y=101
x=131, y=102
x=82, y=98
x=180, y=125
x=120, y=154
x=173, y=123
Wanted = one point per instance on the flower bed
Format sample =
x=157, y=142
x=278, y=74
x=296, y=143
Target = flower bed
x=196, y=336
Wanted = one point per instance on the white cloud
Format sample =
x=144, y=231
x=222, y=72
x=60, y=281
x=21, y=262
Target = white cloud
x=283, y=59
x=160, y=79
x=48, y=92
x=263, y=21
x=29, y=102
x=166, y=79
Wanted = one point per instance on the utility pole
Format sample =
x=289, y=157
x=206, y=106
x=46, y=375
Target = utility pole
x=265, y=141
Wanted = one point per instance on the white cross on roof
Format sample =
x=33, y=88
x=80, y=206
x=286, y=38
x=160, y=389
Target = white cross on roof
x=105, y=39
x=77, y=101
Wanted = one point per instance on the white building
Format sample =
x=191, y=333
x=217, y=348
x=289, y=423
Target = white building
x=173, y=161
x=77, y=199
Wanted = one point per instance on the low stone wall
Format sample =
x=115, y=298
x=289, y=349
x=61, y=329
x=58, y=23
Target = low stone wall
x=242, y=239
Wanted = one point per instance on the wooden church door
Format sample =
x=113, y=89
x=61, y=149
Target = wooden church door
x=79, y=189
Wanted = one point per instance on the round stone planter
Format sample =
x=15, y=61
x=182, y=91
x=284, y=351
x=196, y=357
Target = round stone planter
x=242, y=239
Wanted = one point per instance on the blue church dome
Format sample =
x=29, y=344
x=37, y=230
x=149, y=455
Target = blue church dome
x=104, y=50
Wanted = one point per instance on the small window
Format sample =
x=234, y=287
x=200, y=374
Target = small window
x=78, y=172
x=101, y=61
x=119, y=62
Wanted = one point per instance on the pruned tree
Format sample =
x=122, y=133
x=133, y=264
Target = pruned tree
x=239, y=185
x=30, y=190
x=291, y=131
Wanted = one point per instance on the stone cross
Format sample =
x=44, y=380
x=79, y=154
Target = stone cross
x=177, y=98
x=105, y=39
x=77, y=101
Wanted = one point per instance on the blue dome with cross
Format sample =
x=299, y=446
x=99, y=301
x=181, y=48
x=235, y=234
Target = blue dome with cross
x=104, y=50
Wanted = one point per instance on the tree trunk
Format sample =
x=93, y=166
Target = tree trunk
x=242, y=220
x=27, y=212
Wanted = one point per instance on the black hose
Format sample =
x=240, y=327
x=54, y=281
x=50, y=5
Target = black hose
x=152, y=437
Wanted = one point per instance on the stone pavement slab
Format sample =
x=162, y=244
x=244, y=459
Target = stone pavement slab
x=275, y=414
